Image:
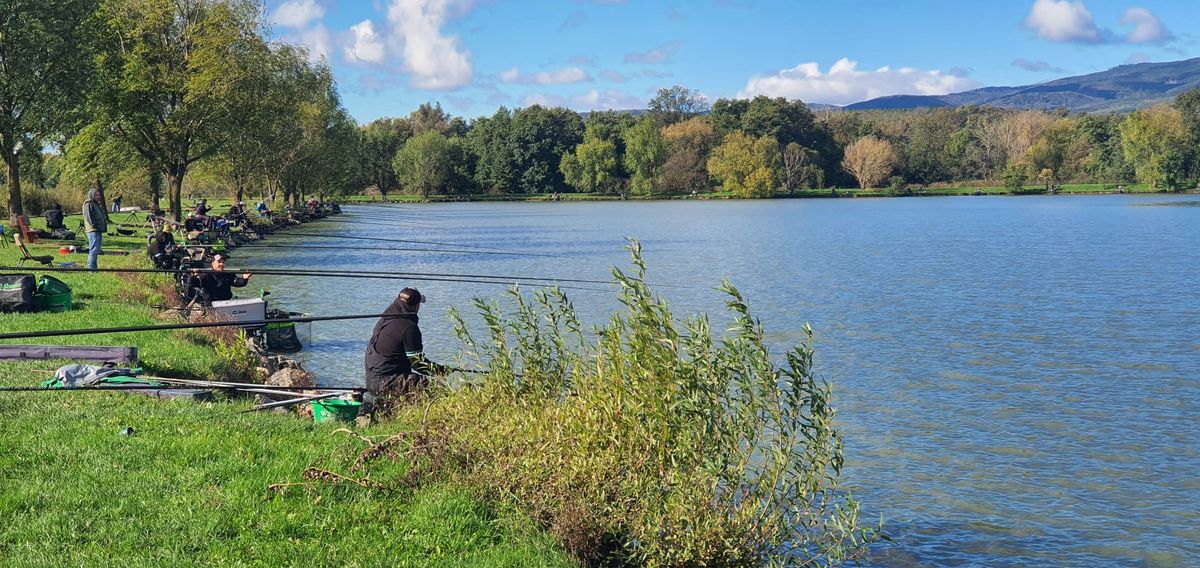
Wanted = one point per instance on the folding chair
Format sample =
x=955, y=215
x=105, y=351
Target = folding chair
x=46, y=259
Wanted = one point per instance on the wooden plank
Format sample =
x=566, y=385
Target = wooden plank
x=90, y=353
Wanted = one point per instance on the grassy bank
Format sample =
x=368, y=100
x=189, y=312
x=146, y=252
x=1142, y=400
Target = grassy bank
x=190, y=487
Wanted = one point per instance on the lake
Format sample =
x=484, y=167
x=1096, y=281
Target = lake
x=1016, y=377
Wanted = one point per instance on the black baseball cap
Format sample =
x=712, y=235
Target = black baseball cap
x=411, y=296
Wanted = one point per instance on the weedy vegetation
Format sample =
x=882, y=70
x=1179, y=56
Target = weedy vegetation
x=652, y=444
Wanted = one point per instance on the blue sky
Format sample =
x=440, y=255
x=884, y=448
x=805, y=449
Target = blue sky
x=473, y=56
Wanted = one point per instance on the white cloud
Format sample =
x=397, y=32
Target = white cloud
x=549, y=101
x=436, y=62
x=845, y=84
x=609, y=99
x=318, y=40
x=1064, y=21
x=365, y=44
x=297, y=13
x=563, y=76
x=660, y=54
x=1147, y=27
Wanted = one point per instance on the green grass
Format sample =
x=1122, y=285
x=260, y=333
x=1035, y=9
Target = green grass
x=190, y=487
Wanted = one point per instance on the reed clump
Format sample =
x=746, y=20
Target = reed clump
x=649, y=442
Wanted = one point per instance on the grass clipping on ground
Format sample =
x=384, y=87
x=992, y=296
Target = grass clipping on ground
x=654, y=445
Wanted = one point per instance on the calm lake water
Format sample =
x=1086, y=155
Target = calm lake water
x=1017, y=377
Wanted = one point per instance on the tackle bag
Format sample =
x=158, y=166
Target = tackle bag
x=16, y=292
x=282, y=337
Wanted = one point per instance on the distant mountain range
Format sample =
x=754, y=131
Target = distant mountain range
x=1120, y=89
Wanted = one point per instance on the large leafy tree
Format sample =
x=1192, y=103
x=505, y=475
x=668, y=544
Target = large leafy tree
x=645, y=152
x=592, y=167
x=541, y=137
x=379, y=142
x=869, y=160
x=311, y=114
x=425, y=163
x=688, y=144
x=1154, y=140
x=170, y=72
x=491, y=141
x=676, y=104
x=745, y=165
x=1188, y=105
x=45, y=71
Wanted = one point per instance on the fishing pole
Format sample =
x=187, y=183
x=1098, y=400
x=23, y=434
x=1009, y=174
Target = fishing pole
x=434, y=243
x=381, y=249
x=193, y=325
x=449, y=275
x=331, y=274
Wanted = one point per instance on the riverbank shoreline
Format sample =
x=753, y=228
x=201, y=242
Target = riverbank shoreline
x=91, y=478
x=835, y=193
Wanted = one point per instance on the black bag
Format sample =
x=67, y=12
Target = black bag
x=54, y=219
x=16, y=292
x=282, y=337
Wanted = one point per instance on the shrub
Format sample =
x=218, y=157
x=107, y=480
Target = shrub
x=653, y=445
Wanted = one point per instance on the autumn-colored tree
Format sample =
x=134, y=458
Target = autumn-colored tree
x=1154, y=141
x=870, y=160
x=745, y=165
x=688, y=143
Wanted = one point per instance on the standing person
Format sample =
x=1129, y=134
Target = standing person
x=395, y=362
x=95, y=223
x=116, y=204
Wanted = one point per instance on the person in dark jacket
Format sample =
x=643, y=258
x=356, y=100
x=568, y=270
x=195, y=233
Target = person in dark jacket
x=395, y=359
x=95, y=224
x=162, y=250
x=216, y=286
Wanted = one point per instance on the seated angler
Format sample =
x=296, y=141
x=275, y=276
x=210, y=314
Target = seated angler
x=215, y=286
x=395, y=359
x=162, y=249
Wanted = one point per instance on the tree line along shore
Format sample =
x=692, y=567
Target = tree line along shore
x=156, y=100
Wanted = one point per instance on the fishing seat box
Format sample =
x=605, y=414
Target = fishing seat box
x=16, y=292
x=239, y=310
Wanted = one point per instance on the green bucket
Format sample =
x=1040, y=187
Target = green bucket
x=52, y=295
x=335, y=409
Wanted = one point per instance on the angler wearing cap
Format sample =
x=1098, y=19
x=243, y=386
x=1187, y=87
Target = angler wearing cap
x=215, y=286
x=95, y=224
x=395, y=362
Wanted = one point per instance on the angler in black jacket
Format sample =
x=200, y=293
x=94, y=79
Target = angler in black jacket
x=215, y=286
x=395, y=362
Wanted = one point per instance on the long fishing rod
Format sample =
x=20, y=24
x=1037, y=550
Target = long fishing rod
x=434, y=243
x=192, y=325
x=330, y=274
x=381, y=249
x=450, y=275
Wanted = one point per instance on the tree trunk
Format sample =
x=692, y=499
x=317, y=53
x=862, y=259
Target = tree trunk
x=155, y=190
x=12, y=170
x=175, y=185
